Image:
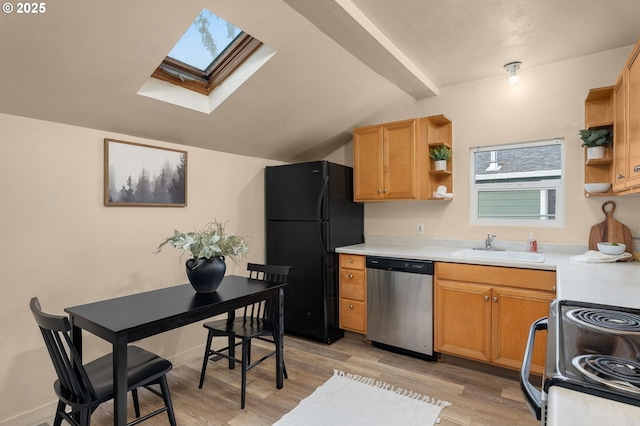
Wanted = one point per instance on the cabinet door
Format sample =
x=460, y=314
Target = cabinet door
x=619, y=133
x=400, y=145
x=368, y=159
x=513, y=312
x=352, y=316
x=463, y=319
x=633, y=118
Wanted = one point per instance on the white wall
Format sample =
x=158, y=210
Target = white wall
x=60, y=243
x=548, y=102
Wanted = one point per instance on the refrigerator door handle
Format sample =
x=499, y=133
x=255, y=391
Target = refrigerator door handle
x=323, y=190
x=319, y=210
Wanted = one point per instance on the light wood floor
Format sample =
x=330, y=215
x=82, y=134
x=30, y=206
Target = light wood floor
x=479, y=394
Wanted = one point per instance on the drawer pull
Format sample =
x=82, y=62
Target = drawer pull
x=636, y=169
x=350, y=276
x=351, y=260
x=351, y=306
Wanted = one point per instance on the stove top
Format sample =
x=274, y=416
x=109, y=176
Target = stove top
x=618, y=373
x=594, y=349
x=606, y=320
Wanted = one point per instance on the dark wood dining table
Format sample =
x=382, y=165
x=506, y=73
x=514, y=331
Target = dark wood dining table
x=123, y=320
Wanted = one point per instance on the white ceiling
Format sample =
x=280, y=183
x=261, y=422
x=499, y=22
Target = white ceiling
x=338, y=62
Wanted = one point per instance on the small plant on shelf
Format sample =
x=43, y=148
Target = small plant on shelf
x=597, y=137
x=440, y=153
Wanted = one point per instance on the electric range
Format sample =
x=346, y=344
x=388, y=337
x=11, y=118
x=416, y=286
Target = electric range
x=592, y=366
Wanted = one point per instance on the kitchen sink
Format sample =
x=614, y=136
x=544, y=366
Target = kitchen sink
x=514, y=256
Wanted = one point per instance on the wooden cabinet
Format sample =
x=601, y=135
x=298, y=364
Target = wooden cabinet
x=391, y=160
x=619, y=133
x=632, y=117
x=484, y=312
x=598, y=113
x=353, y=293
x=618, y=106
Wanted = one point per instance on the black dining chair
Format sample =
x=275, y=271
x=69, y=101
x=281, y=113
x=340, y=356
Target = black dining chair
x=257, y=322
x=84, y=387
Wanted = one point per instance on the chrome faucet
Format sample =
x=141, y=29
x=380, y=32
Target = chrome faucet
x=488, y=241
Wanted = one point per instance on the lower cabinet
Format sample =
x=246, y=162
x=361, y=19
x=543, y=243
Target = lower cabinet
x=353, y=293
x=484, y=312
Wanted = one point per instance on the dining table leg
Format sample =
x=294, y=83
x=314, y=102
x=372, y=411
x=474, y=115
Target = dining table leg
x=280, y=341
x=120, y=382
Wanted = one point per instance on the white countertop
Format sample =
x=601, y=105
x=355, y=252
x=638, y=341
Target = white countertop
x=616, y=284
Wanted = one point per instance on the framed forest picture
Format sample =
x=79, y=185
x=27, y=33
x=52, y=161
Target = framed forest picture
x=144, y=175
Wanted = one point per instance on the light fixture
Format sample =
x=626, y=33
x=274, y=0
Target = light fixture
x=512, y=68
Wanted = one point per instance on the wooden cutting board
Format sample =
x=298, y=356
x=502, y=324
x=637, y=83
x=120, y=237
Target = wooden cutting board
x=610, y=230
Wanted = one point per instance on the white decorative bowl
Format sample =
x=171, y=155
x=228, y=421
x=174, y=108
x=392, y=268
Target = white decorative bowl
x=597, y=187
x=609, y=248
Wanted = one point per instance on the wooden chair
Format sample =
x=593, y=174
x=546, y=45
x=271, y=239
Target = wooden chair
x=257, y=322
x=85, y=387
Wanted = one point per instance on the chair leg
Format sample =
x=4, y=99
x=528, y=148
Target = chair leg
x=58, y=419
x=205, y=361
x=136, y=402
x=164, y=387
x=246, y=349
x=232, y=352
x=85, y=417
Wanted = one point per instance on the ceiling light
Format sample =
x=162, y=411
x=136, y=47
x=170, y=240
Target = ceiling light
x=512, y=68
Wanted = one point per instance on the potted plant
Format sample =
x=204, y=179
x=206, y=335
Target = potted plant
x=440, y=155
x=595, y=141
x=209, y=246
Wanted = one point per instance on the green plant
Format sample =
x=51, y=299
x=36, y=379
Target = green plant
x=207, y=242
x=598, y=137
x=440, y=153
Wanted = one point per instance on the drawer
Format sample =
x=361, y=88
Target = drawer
x=352, y=284
x=352, y=316
x=534, y=279
x=352, y=261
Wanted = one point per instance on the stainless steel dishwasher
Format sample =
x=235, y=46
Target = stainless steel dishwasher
x=400, y=305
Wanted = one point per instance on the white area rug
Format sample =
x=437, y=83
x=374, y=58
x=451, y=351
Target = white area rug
x=348, y=399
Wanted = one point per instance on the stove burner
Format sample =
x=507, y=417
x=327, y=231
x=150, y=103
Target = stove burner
x=606, y=320
x=618, y=373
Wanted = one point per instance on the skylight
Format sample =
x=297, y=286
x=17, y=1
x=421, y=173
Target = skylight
x=204, y=41
x=208, y=52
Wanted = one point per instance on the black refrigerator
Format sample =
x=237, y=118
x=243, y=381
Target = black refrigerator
x=309, y=212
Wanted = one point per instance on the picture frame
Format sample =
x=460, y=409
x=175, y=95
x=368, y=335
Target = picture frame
x=139, y=175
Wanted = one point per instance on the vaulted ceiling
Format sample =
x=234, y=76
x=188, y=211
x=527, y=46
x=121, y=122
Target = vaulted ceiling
x=338, y=62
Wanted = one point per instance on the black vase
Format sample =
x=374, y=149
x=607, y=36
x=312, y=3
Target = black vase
x=205, y=275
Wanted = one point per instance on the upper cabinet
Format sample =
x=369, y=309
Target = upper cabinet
x=632, y=70
x=391, y=160
x=618, y=106
x=599, y=113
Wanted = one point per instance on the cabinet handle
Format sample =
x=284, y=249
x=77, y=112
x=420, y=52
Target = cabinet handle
x=379, y=191
x=386, y=190
x=495, y=298
x=553, y=288
x=350, y=276
x=636, y=169
x=351, y=306
x=350, y=260
x=620, y=176
x=486, y=298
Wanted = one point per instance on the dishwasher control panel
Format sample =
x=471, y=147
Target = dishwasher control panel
x=412, y=266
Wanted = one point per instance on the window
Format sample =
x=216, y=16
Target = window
x=518, y=184
x=208, y=52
